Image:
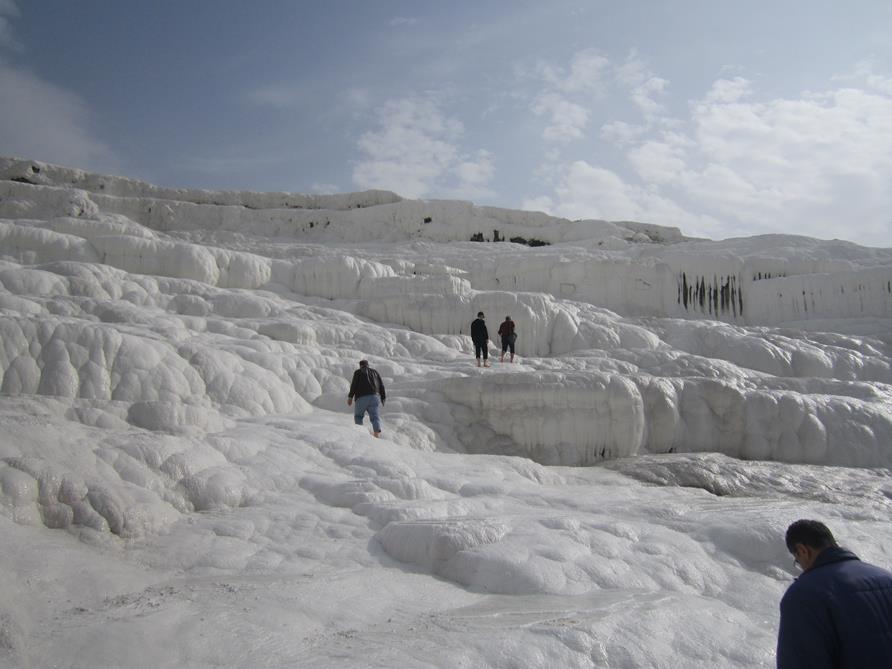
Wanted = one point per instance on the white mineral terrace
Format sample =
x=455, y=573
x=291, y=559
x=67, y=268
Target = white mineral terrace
x=176, y=443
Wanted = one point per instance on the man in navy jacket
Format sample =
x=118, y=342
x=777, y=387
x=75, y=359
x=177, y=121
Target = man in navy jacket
x=838, y=613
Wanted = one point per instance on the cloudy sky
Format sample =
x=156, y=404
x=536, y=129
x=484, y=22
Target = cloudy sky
x=722, y=118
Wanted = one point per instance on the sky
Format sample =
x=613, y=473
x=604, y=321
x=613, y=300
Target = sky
x=723, y=119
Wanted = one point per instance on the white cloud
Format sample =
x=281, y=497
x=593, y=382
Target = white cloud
x=622, y=133
x=796, y=148
x=864, y=73
x=399, y=21
x=290, y=96
x=632, y=72
x=817, y=164
x=729, y=90
x=542, y=203
x=567, y=120
x=588, y=191
x=643, y=95
x=643, y=85
x=658, y=162
x=570, y=92
x=472, y=178
x=40, y=120
x=585, y=75
x=356, y=98
x=566, y=94
x=43, y=121
x=478, y=171
x=415, y=151
x=880, y=84
x=8, y=40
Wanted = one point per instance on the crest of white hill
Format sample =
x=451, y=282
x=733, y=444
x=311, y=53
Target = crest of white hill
x=182, y=312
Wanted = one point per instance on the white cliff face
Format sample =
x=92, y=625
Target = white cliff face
x=172, y=293
x=174, y=366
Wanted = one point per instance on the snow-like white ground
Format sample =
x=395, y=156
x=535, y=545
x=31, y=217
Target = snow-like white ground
x=182, y=485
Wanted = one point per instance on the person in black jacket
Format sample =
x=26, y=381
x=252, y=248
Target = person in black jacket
x=838, y=613
x=368, y=389
x=480, y=337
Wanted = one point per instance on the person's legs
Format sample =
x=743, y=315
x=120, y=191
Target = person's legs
x=360, y=404
x=478, y=350
x=504, y=348
x=373, y=406
x=511, y=347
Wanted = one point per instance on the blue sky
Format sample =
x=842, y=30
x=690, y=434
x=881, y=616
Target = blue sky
x=722, y=118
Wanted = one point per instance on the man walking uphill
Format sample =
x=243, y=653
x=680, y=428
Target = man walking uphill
x=838, y=614
x=368, y=389
x=480, y=337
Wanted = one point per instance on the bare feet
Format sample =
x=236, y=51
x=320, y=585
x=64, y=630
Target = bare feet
x=377, y=435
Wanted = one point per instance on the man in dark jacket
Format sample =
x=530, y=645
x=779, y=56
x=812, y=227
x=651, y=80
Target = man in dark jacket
x=480, y=337
x=509, y=336
x=368, y=389
x=838, y=613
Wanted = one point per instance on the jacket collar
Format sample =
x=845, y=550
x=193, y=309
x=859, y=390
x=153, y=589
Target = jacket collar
x=831, y=555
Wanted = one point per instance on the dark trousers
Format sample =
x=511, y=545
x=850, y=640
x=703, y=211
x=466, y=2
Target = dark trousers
x=478, y=347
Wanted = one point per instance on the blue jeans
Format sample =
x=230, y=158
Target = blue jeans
x=370, y=403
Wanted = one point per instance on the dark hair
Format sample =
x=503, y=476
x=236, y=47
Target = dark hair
x=812, y=533
x=479, y=314
x=363, y=363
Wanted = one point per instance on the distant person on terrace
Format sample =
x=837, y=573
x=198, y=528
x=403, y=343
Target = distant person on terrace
x=368, y=389
x=480, y=337
x=509, y=336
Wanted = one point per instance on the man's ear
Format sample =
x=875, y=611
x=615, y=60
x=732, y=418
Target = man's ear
x=804, y=549
x=805, y=555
